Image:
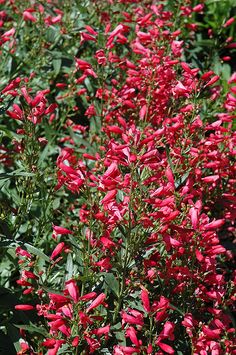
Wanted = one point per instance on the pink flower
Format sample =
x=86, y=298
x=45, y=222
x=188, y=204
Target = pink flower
x=170, y=176
x=188, y=320
x=75, y=341
x=22, y=252
x=94, y=344
x=57, y=250
x=24, y=307
x=180, y=90
x=27, y=16
x=167, y=331
x=194, y=217
x=86, y=37
x=12, y=85
x=212, y=81
x=56, y=347
x=125, y=350
x=109, y=196
x=198, y=8
x=211, y=178
x=88, y=296
x=136, y=319
x=176, y=47
x=61, y=230
x=97, y=302
x=101, y=57
x=229, y=22
x=73, y=290
x=58, y=299
x=132, y=334
x=142, y=112
x=167, y=348
x=214, y=224
x=145, y=300
x=102, y=330
x=113, y=34
x=211, y=334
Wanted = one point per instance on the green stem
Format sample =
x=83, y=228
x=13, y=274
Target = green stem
x=122, y=286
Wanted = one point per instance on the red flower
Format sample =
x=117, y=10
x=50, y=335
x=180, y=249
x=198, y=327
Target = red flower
x=136, y=318
x=97, y=302
x=166, y=348
x=61, y=230
x=24, y=307
x=73, y=290
x=145, y=300
x=57, y=250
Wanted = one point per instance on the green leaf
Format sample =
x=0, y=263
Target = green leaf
x=7, y=243
x=63, y=349
x=119, y=333
x=44, y=154
x=32, y=328
x=56, y=203
x=51, y=290
x=112, y=283
x=74, y=243
x=88, y=85
x=56, y=65
x=4, y=176
x=167, y=148
x=226, y=72
x=7, y=132
x=37, y=252
x=181, y=180
x=120, y=196
x=14, y=174
x=51, y=34
x=69, y=267
x=205, y=43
